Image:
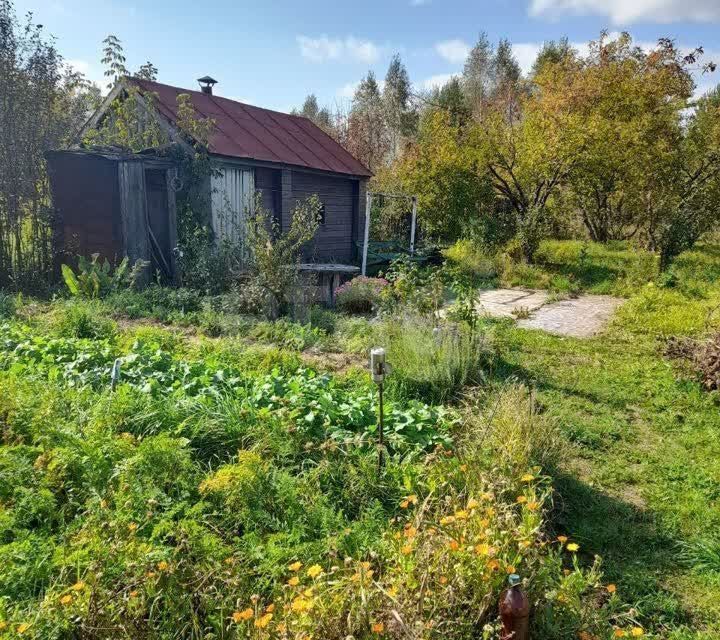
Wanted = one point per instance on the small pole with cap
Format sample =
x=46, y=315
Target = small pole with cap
x=379, y=368
x=115, y=375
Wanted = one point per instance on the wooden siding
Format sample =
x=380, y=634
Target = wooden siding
x=232, y=197
x=87, y=219
x=334, y=239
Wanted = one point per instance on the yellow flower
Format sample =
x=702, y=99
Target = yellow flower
x=406, y=550
x=78, y=586
x=510, y=569
x=637, y=632
x=3, y=625
x=66, y=599
x=573, y=547
x=412, y=499
x=245, y=614
x=301, y=604
x=22, y=628
x=521, y=499
x=314, y=571
x=132, y=527
x=447, y=520
x=472, y=503
x=482, y=549
x=378, y=627
x=308, y=593
x=611, y=588
x=270, y=608
x=404, y=504
x=493, y=565
x=533, y=506
x=528, y=477
x=294, y=581
x=263, y=621
x=295, y=566
x=162, y=565
x=461, y=515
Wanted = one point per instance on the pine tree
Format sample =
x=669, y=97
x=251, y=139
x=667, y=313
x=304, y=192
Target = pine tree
x=367, y=136
x=401, y=119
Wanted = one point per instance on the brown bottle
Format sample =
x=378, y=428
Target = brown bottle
x=514, y=611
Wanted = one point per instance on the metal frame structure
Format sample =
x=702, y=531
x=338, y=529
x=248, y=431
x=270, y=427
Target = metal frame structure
x=368, y=207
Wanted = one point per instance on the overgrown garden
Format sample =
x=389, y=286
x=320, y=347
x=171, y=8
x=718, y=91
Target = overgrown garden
x=202, y=461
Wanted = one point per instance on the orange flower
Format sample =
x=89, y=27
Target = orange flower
x=133, y=594
x=404, y=504
x=378, y=627
x=163, y=566
x=410, y=532
x=453, y=544
x=619, y=633
x=533, y=506
x=78, y=586
x=510, y=569
x=611, y=588
x=406, y=550
x=245, y=614
x=562, y=539
x=493, y=565
x=270, y=608
x=295, y=566
x=521, y=499
x=443, y=580
x=412, y=499
x=294, y=581
x=65, y=600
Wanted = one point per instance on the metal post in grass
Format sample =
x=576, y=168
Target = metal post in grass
x=115, y=375
x=379, y=368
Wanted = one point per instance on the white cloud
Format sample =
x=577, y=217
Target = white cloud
x=324, y=48
x=347, y=91
x=629, y=11
x=454, y=51
x=436, y=81
x=90, y=72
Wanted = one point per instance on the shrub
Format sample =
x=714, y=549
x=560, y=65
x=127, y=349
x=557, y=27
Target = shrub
x=288, y=334
x=360, y=295
x=80, y=319
x=433, y=363
x=467, y=257
x=95, y=278
x=154, y=301
x=7, y=305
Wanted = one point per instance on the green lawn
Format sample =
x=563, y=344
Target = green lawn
x=641, y=485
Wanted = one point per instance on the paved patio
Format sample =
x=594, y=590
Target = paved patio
x=580, y=317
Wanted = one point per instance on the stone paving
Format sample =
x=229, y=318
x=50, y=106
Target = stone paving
x=580, y=317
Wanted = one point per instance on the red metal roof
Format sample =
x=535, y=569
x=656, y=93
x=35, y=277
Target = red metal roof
x=245, y=131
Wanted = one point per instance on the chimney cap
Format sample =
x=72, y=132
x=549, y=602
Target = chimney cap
x=207, y=80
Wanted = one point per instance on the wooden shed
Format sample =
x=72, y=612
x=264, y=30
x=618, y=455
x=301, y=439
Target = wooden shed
x=285, y=158
x=115, y=204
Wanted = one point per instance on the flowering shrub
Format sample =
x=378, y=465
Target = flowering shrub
x=360, y=295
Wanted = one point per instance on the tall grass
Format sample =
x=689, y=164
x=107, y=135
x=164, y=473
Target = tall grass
x=433, y=363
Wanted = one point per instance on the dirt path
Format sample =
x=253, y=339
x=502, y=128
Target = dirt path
x=580, y=317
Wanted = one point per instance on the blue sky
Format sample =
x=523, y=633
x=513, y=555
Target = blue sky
x=273, y=53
